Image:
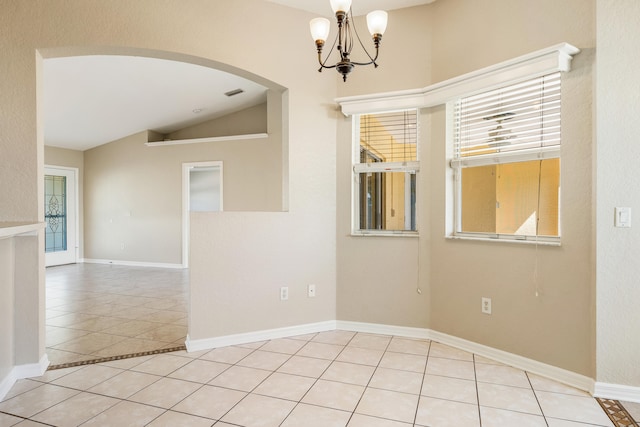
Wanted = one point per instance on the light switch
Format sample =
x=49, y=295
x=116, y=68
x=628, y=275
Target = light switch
x=623, y=217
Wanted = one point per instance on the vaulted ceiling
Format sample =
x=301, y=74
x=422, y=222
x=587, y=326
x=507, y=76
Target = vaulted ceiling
x=91, y=100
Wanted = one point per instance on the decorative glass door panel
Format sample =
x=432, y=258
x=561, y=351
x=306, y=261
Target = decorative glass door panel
x=60, y=216
x=55, y=213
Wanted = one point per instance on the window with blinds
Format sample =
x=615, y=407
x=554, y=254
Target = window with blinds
x=385, y=166
x=506, y=153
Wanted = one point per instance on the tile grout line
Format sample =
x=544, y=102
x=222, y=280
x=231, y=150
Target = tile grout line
x=372, y=375
x=619, y=409
x=544, y=417
x=253, y=350
x=424, y=376
x=344, y=346
x=475, y=377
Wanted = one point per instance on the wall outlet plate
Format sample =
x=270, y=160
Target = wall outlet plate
x=284, y=293
x=311, y=291
x=486, y=305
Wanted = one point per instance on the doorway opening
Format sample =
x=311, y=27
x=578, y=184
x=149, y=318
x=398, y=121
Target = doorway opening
x=202, y=191
x=132, y=220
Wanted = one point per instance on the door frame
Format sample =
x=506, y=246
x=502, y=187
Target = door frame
x=72, y=207
x=186, y=181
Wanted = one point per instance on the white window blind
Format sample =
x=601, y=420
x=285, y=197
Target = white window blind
x=515, y=123
x=389, y=137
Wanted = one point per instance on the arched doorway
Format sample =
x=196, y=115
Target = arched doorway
x=131, y=216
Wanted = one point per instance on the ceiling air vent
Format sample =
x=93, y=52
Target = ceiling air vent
x=234, y=92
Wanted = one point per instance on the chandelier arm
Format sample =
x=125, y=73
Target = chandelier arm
x=373, y=60
x=321, y=62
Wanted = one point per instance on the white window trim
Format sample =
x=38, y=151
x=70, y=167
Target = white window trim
x=413, y=166
x=535, y=64
x=453, y=219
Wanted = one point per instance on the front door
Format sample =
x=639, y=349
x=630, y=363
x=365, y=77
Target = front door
x=60, y=240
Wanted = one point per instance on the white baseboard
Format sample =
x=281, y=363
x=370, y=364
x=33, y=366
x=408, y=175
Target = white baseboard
x=23, y=371
x=6, y=384
x=376, y=328
x=268, y=334
x=564, y=376
x=625, y=393
x=131, y=263
x=32, y=369
x=557, y=374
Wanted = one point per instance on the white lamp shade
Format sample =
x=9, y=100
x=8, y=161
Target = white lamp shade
x=340, y=5
x=319, y=28
x=377, y=22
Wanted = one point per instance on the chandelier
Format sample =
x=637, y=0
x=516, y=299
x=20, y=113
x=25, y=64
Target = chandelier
x=344, y=42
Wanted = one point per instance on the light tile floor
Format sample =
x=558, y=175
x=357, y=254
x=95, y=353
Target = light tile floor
x=633, y=409
x=328, y=379
x=96, y=311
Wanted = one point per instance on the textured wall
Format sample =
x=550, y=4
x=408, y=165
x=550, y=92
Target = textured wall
x=221, y=34
x=133, y=200
x=556, y=326
x=618, y=184
x=378, y=277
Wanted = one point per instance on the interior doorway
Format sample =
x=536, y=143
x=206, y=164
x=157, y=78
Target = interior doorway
x=60, y=215
x=202, y=191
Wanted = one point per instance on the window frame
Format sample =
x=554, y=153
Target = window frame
x=557, y=57
x=456, y=164
x=411, y=167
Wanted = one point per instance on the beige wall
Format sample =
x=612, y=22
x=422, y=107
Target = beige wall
x=377, y=277
x=250, y=267
x=55, y=156
x=556, y=326
x=53, y=28
x=617, y=184
x=133, y=193
x=432, y=43
x=247, y=121
x=125, y=205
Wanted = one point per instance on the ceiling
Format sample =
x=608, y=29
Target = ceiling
x=92, y=100
x=359, y=7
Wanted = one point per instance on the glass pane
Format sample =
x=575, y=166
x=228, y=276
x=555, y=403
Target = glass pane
x=55, y=214
x=387, y=201
x=512, y=198
x=388, y=137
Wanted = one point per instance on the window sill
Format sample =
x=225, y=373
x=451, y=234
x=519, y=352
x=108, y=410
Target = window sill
x=541, y=241
x=379, y=233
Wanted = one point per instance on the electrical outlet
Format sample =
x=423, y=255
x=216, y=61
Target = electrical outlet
x=311, y=291
x=486, y=305
x=284, y=293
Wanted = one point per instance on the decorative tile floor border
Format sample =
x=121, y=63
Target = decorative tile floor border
x=118, y=357
x=616, y=412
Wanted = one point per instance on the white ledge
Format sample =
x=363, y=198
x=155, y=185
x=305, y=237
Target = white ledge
x=208, y=139
x=536, y=64
x=10, y=229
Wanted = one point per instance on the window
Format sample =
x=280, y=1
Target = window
x=506, y=161
x=385, y=166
